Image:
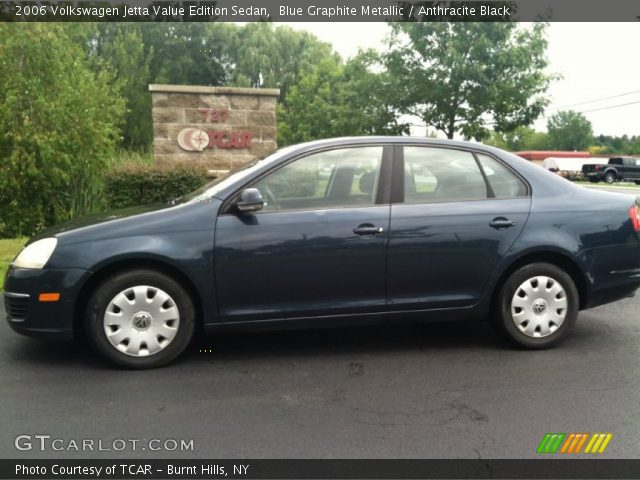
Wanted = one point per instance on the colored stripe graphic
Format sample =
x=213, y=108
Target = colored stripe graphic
x=598, y=443
x=573, y=443
x=551, y=442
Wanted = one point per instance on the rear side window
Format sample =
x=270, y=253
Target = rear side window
x=441, y=175
x=504, y=183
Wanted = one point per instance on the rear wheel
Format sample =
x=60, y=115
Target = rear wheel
x=610, y=177
x=140, y=319
x=537, y=306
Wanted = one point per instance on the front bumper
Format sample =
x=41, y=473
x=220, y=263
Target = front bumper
x=29, y=316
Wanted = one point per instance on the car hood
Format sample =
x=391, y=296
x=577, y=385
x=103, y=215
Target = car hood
x=99, y=219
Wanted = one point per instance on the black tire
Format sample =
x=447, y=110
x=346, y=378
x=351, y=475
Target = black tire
x=610, y=177
x=110, y=288
x=503, y=318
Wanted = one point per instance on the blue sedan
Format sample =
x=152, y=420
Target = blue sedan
x=328, y=232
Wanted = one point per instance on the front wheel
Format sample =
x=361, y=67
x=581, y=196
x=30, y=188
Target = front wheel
x=140, y=319
x=610, y=177
x=537, y=306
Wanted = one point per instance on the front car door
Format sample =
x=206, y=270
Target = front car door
x=457, y=215
x=317, y=248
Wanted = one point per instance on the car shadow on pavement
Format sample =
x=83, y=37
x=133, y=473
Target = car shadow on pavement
x=360, y=340
x=276, y=344
x=291, y=344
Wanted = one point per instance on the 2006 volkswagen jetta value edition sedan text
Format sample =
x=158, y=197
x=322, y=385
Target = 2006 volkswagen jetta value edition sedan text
x=375, y=228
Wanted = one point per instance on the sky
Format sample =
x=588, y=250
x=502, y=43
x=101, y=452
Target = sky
x=595, y=60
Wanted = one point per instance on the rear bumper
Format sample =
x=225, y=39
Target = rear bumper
x=614, y=273
x=29, y=316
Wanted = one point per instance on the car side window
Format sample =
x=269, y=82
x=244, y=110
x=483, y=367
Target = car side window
x=504, y=183
x=346, y=177
x=441, y=175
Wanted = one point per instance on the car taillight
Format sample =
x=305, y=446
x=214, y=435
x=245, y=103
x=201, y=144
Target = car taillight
x=634, y=215
x=597, y=168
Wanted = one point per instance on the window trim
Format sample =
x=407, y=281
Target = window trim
x=397, y=195
x=383, y=191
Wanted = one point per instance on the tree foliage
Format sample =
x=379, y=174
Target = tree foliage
x=469, y=76
x=569, y=130
x=623, y=145
x=120, y=48
x=520, y=139
x=336, y=99
x=275, y=57
x=59, y=123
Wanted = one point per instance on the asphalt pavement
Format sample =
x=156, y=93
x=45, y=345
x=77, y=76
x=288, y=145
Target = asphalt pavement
x=396, y=391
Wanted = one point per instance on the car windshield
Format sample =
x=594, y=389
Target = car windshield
x=214, y=187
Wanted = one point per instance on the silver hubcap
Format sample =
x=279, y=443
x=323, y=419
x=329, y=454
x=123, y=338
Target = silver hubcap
x=141, y=321
x=539, y=306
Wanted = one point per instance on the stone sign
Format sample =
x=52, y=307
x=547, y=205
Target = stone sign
x=217, y=127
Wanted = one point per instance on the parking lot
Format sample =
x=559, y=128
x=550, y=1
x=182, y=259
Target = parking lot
x=395, y=391
x=412, y=391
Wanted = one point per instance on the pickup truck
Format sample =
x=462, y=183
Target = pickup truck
x=617, y=169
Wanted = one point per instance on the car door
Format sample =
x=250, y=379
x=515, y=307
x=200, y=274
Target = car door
x=317, y=248
x=456, y=216
x=631, y=172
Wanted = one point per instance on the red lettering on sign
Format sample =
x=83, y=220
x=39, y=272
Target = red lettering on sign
x=224, y=139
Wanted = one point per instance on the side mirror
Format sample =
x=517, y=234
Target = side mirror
x=250, y=201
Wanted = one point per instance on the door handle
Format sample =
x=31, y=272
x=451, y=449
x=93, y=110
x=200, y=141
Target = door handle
x=367, y=229
x=500, y=223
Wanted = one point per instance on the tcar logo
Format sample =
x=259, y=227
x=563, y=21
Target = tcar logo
x=574, y=443
x=193, y=139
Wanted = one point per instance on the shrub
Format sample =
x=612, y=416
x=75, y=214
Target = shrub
x=138, y=184
x=58, y=126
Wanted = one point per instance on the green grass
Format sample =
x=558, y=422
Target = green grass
x=9, y=248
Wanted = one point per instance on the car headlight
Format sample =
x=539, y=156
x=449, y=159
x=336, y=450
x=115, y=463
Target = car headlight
x=37, y=254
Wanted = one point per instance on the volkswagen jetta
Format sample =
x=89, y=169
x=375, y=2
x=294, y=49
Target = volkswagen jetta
x=326, y=232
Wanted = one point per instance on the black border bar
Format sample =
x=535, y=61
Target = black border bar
x=542, y=468
x=319, y=10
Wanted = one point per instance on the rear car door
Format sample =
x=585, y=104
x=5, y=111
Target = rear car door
x=319, y=246
x=455, y=216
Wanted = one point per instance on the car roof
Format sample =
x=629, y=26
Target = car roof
x=391, y=140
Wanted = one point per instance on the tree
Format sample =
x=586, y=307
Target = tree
x=467, y=76
x=119, y=47
x=275, y=57
x=624, y=145
x=569, y=130
x=337, y=99
x=520, y=139
x=59, y=124
x=190, y=53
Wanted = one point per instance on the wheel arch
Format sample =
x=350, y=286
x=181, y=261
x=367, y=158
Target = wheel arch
x=559, y=259
x=121, y=265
